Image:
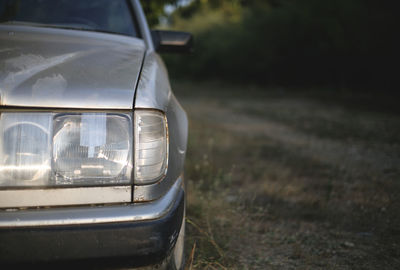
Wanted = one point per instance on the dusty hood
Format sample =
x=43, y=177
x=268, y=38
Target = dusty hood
x=56, y=68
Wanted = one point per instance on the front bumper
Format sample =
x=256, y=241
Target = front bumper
x=139, y=233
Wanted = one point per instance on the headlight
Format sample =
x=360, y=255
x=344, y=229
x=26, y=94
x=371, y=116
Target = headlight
x=92, y=148
x=151, y=146
x=53, y=149
x=25, y=145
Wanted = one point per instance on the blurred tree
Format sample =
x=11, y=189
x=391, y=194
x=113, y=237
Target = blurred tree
x=293, y=42
x=155, y=9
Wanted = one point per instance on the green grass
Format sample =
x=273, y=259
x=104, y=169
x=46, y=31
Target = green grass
x=282, y=179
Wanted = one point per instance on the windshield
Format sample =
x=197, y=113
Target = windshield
x=112, y=16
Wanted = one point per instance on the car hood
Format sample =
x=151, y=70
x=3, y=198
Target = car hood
x=59, y=68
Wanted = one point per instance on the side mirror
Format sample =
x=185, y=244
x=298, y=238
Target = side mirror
x=172, y=41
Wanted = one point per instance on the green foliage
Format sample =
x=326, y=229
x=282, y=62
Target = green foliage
x=341, y=43
x=154, y=9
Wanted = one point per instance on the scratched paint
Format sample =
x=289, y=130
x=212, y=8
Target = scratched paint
x=52, y=87
x=44, y=67
x=26, y=66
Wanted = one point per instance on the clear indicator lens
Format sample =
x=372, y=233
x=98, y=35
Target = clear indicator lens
x=151, y=146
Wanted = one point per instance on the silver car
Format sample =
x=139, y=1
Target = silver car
x=92, y=139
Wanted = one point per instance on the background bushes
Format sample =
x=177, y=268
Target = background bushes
x=340, y=43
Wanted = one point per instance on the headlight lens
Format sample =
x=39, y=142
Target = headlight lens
x=52, y=149
x=151, y=146
x=25, y=145
x=92, y=148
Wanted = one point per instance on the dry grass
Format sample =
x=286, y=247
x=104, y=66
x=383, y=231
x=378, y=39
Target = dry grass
x=290, y=180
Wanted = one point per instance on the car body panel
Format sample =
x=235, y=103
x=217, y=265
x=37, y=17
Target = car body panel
x=49, y=69
x=18, y=198
x=154, y=91
x=23, y=218
x=58, y=68
x=134, y=243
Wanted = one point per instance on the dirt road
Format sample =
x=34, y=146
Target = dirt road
x=285, y=179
